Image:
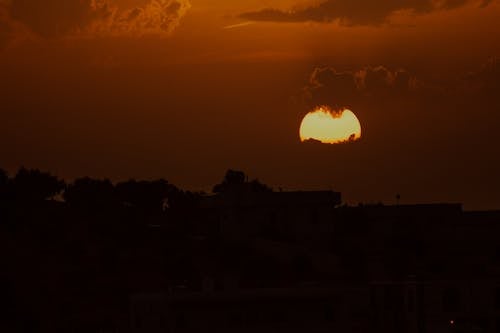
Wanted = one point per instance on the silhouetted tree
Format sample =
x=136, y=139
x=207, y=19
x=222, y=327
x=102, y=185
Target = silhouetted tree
x=236, y=181
x=257, y=186
x=4, y=180
x=232, y=179
x=34, y=185
x=90, y=192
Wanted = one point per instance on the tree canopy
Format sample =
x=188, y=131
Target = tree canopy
x=35, y=185
x=237, y=181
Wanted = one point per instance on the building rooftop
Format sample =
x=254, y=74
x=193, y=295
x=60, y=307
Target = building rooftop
x=285, y=198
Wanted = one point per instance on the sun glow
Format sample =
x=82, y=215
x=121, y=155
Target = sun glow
x=328, y=126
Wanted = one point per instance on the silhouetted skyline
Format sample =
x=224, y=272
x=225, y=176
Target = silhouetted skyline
x=146, y=256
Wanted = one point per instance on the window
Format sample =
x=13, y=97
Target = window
x=272, y=217
x=394, y=297
x=373, y=297
x=329, y=313
x=497, y=298
x=236, y=317
x=180, y=321
x=451, y=300
x=314, y=217
x=389, y=297
x=411, y=300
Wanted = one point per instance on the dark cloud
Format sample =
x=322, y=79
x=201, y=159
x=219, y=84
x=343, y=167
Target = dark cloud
x=55, y=18
x=329, y=86
x=51, y=18
x=355, y=12
x=381, y=89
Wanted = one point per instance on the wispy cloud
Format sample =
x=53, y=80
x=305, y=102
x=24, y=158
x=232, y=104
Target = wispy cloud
x=356, y=12
x=239, y=25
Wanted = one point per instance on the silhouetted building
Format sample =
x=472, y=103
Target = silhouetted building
x=148, y=257
x=374, y=268
x=277, y=215
x=303, y=309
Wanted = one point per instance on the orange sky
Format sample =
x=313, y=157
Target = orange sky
x=139, y=88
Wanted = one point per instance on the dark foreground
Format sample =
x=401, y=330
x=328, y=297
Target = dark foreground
x=92, y=256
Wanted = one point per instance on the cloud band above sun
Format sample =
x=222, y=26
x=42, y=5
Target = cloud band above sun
x=346, y=87
x=356, y=12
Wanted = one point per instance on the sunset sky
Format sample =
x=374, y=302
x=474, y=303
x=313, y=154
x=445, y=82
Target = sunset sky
x=185, y=89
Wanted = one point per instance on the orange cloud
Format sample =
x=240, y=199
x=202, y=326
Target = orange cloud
x=356, y=12
x=59, y=18
x=156, y=17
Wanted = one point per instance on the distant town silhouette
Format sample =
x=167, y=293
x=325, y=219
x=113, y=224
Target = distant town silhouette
x=146, y=256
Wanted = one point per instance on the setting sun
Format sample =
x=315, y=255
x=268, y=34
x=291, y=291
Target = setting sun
x=328, y=126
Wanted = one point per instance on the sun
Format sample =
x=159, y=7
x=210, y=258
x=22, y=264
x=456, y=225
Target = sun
x=330, y=127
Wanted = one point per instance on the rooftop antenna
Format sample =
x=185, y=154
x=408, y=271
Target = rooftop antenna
x=398, y=198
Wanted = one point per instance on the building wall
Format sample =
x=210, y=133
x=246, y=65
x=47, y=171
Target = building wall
x=253, y=311
x=436, y=306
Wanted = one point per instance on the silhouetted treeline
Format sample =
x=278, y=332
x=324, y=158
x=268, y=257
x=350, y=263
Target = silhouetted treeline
x=31, y=186
x=73, y=252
